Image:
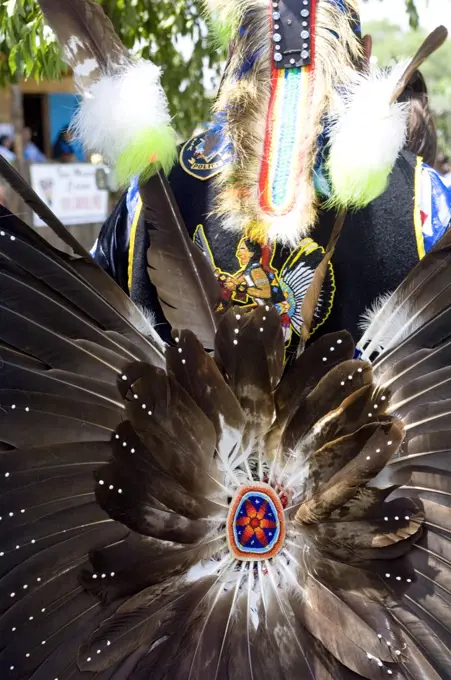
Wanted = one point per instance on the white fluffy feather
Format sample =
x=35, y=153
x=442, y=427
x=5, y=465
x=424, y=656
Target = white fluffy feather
x=117, y=108
x=367, y=131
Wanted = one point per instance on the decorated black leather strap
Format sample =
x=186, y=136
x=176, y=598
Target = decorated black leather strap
x=292, y=32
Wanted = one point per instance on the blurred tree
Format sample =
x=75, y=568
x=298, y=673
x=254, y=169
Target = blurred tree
x=391, y=43
x=171, y=32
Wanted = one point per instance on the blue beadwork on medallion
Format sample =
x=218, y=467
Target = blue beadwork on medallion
x=256, y=525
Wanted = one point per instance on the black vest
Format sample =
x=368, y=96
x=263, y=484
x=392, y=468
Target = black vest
x=376, y=250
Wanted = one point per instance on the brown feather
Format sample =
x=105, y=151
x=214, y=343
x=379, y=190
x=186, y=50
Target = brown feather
x=430, y=45
x=314, y=291
x=187, y=288
x=91, y=46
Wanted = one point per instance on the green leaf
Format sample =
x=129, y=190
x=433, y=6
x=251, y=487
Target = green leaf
x=12, y=63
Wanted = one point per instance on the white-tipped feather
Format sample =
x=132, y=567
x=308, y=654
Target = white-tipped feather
x=367, y=133
x=370, y=315
x=117, y=108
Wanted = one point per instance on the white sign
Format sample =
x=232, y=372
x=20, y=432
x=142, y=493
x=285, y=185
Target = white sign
x=70, y=190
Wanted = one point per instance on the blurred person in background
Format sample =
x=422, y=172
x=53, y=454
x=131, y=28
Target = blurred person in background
x=63, y=151
x=6, y=148
x=30, y=151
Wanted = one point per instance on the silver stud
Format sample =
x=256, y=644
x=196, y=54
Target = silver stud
x=124, y=445
x=119, y=490
x=277, y=37
x=180, y=350
x=116, y=436
x=235, y=342
x=324, y=359
x=13, y=238
x=389, y=443
x=111, y=487
x=6, y=475
x=112, y=574
x=183, y=361
x=135, y=396
x=101, y=482
x=124, y=377
x=305, y=35
x=13, y=595
x=132, y=450
x=387, y=575
x=276, y=16
x=261, y=330
x=368, y=457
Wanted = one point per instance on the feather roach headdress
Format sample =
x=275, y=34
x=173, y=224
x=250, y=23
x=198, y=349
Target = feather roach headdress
x=306, y=120
x=175, y=514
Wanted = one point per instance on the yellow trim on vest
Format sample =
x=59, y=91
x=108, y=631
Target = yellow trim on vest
x=417, y=209
x=131, y=247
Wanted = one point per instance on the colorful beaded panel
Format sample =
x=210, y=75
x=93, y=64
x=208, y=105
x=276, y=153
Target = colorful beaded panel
x=256, y=524
x=288, y=117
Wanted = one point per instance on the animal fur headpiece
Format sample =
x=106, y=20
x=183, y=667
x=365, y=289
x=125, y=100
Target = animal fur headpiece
x=306, y=125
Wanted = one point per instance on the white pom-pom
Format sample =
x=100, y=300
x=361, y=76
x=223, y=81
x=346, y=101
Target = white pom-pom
x=366, y=137
x=119, y=107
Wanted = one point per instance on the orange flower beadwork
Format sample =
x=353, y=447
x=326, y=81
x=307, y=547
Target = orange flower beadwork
x=255, y=525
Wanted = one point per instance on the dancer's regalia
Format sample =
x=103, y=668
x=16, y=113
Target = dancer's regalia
x=199, y=510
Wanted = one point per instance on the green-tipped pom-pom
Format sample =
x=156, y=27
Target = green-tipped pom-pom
x=356, y=187
x=152, y=150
